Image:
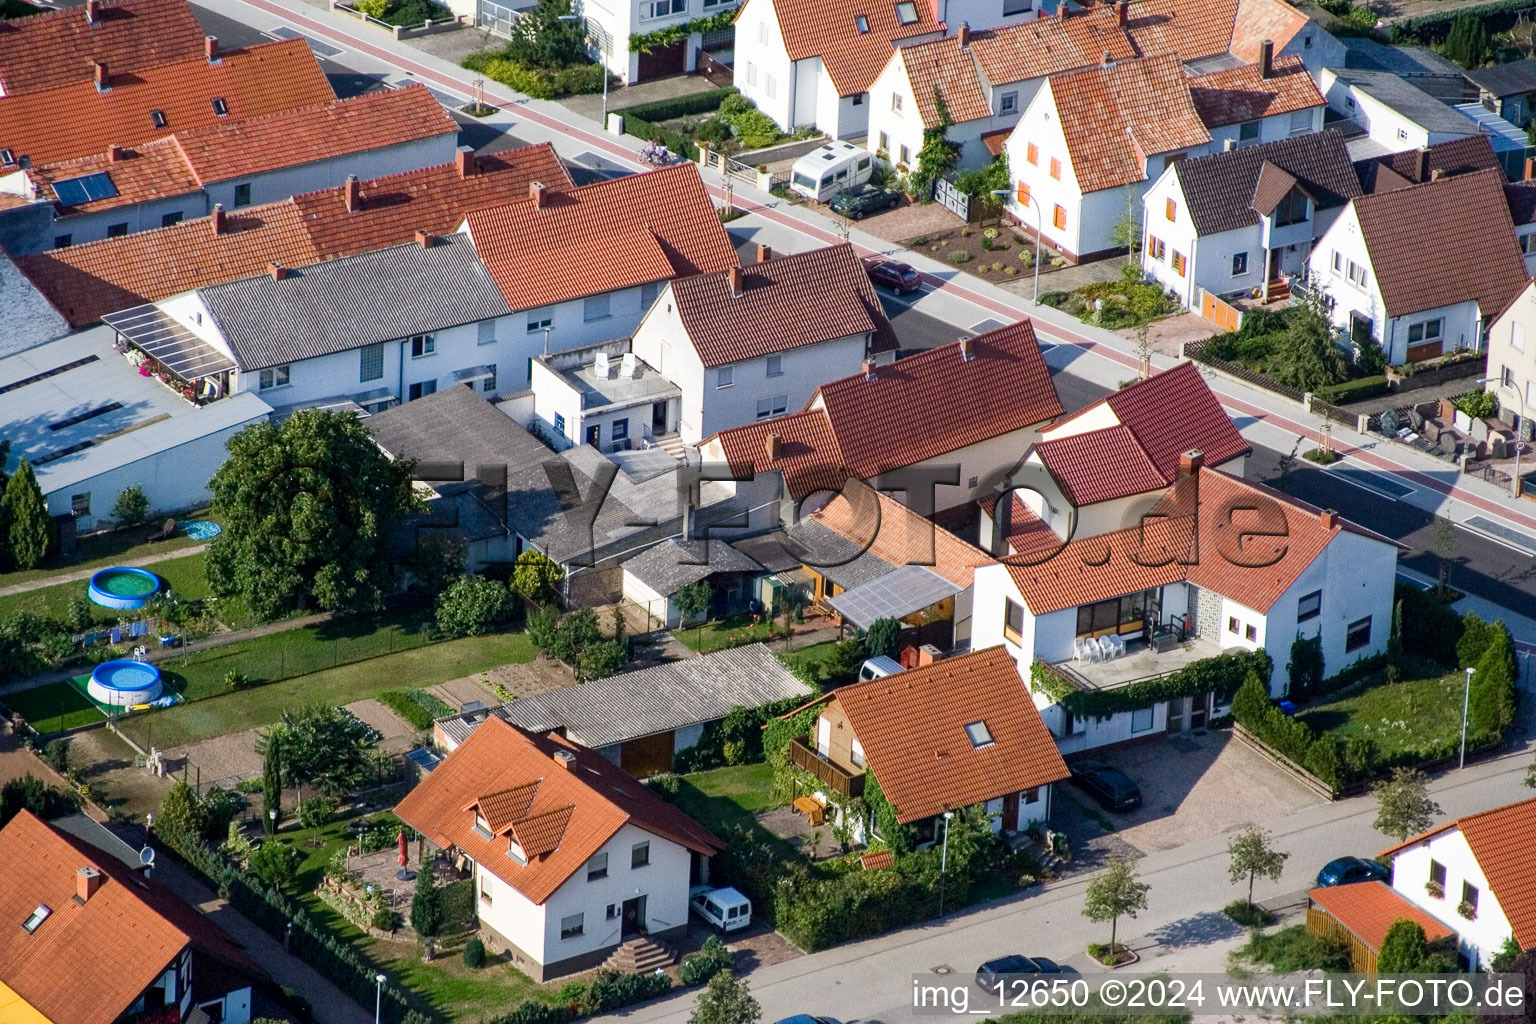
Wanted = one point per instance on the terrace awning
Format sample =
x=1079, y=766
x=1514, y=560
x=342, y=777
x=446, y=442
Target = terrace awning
x=474, y=373
x=168, y=342
x=897, y=594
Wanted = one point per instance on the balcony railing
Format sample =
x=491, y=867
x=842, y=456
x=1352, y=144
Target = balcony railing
x=838, y=780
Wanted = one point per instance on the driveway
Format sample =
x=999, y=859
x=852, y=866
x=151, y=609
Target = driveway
x=1195, y=787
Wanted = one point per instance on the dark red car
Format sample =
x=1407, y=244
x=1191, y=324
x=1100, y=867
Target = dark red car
x=898, y=277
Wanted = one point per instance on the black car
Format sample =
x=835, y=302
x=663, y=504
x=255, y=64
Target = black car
x=1109, y=786
x=994, y=974
x=1348, y=870
x=898, y=277
x=856, y=202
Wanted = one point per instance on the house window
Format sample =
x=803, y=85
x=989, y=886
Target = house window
x=571, y=926
x=751, y=73
x=1059, y=217
x=1013, y=620
x=157, y=118
x=488, y=385
x=775, y=366
x=1402, y=134
x=1293, y=210
x=620, y=430
x=1113, y=615
x=667, y=8
x=1251, y=633
x=1012, y=7
x=1179, y=264
x=117, y=230
x=80, y=504
x=1437, y=874
x=979, y=735
x=1338, y=262
x=1528, y=244
x=485, y=332
x=1171, y=210
x=560, y=424
x=1517, y=331
x=1301, y=121
x=167, y=219
x=595, y=307
x=7, y=158
x=640, y=855
x=38, y=916
x=1310, y=606
x=421, y=390
x=274, y=377
x=1356, y=273
x=537, y=325
x=1157, y=248
x=1032, y=153
x=770, y=86
x=1358, y=634
x=1233, y=626
x=1429, y=330
x=1248, y=131
x=906, y=12
x=774, y=405
x=423, y=345
x=1023, y=193
x=885, y=143
x=1055, y=168
x=485, y=890
x=856, y=754
x=1009, y=103
x=613, y=911
x=220, y=108
x=725, y=376
x=906, y=155
x=861, y=22
x=243, y=194
x=1468, y=900
x=1141, y=720
x=597, y=867
x=515, y=851
x=370, y=362
x=1239, y=264
x=762, y=31
x=1506, y=376
x=896, y=105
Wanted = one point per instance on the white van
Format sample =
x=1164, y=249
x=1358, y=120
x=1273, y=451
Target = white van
x=726, y=909
x=878, y=667
x=823, y=173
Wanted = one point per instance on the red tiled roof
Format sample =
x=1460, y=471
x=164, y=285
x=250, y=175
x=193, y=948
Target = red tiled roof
x=900, y=535
x=229, y=149
x=575, y=809
x=808, y=455
x=1369, y=909
x=1024, y=531
x=1258, y=20
x=829, y=29
x=129, y=923
x=1399, y=170
x=877, y=860
x=996, y=141
x=85, y=281
x=1190, y=28
x=912, y=728
x=1167, y=414
x=785, y=303
x=1467, y=215
x=253, y=81
x=1243, y=94
x=1097, y=568
x=1500, y=840
x=1114, y=118
x=42, y=51
x=613, y=234
x=148, y=171
x=937, y=401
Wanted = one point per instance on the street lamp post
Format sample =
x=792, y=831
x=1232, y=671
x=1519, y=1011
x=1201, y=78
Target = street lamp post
x=944, y=858
x=1466, y=700
x=1039, y=224
x=378, y=996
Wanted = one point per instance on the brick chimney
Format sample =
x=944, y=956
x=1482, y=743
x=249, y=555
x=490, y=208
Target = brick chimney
x=1267, y=59
x=278, y=271
x=1421, y=170
x=963, y=35
x=464, y=160
x=353, y=190
x=967, y=350
x=565, y=759
x=91, y=17
x=1329, y=518
x=869, y=370
x=211, y=48
x=536, y=193
x=99, y=70
x=736, y=282
x=216, y=218
x=425, y=238
x=87, y=881
x=1190, y=463
x=1108, y=60
x=114, y=152
x=764, y=253
x=1123, y=12
x=772, y=446
x=1437, y=174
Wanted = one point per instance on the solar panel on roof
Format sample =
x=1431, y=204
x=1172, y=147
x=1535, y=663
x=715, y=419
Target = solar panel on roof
x=74, y=191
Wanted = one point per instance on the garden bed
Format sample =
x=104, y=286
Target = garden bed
x=1011, y=253
x=1126, y=302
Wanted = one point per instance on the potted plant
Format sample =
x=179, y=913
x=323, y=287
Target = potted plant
x=1468, y=910
x=1435, y=889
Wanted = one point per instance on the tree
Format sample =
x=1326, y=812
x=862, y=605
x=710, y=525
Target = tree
x=726, y=1000
x=472, y=606
x=1306, y=357
x=30, y=529
x=275, y=863
x=544, y=628
x=1115, y=892
x=324, y=746
x=1404, y=807
x=1445, y=551
x=882, y=637
x=1467, y=41
x=1251, y=701
x=272, y=782
x=33, y=794
x=576, y=632
x=937, y=153
x=131, y=507
x=1125, y=233
x=693, y=600
x=1306, y=665
x=181, y=811
x=1404, y=949
x=541, y=40
x=426, y=904
x=536, y=577
x=1254, y=856
x=307, y=506
x=603, y=658
x=438, y=560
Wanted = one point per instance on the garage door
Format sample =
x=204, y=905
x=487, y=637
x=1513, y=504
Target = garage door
x=1428, y=350
x=671, y=59
x=647, y=755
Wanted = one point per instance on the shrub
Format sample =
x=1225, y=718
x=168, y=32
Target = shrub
x=317, y=812
x=665, y=784
x=474, y=954
x=683, y=106
x=131, y=507
x=1430, y=627
x=711, y=959
x=472, y=606
x=1353, y=390
x=1323, y=760
x=248, y=786
x=959, y=256
x=275, y=863
x=56, y=755
x=1247, y=914
x=1478, y=404
x=610, y=990
x=384, y=919
x=1296, y=949
x=234, y=679
x=417, y=707
x=539, y=83
x=220, y=807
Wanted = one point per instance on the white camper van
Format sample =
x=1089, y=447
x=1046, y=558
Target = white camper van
x=823, y=173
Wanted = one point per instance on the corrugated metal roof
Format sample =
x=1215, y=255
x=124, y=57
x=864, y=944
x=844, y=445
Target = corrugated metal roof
x=354, y=301
x=673, y=564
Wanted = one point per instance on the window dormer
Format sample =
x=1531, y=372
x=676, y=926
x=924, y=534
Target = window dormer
x=515, y=851
x=482, y=826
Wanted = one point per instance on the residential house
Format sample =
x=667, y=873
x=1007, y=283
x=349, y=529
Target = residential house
x=54, y=48
x=748, y=343
x=571, y=855
x=642, y=720
x=1389, y=171
x=1103, y=467
x=84, y=282
x=67, y=898
x=613, y=31
x=1216, y=35
x=603, y=395
x=1091, y=141
x=653, y=578
x=897, y=426
x=233, y=164
x=1381, y=284
x=1521, y=196
x=947, y=736
x=1220, y=565
x=1430, y=71
x=1511, y=374
x=1508, y=90
x=1361, y=914
x=1473, y=875
x=985, y=78
x=109, y=106
x=1230, y=224
x=541, y=251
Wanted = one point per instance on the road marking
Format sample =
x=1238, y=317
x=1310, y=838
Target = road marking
x=1373, y=482
x=320, y=49
x=1501, y=534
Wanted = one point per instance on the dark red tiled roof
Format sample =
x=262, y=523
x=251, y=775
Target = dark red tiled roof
x=1100, y=465
x=1399, y=170
x=808, y=455
x=1244, y=94
x=43, y=51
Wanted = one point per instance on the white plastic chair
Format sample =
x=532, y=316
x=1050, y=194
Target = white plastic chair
x=1114, y=646
x=1095, y=652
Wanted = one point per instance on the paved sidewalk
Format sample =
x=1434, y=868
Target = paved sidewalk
x=80, y=575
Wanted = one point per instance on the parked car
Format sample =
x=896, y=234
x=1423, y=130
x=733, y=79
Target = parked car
x=1109, y=786
x=878, y=667
x=992, y=975
x=856, y=202
x=1348, y=870
x=726, y=909
x=898, y=277
x=806, y=1018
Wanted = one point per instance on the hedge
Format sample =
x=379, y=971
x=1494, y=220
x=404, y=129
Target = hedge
x=608, y=991
x=1221, y=675
x=1430, y=627
x=1353, y=390
x=1497, y=16
x=681, y=106
x=456, y=902
x=418, y=707
x=539, y=83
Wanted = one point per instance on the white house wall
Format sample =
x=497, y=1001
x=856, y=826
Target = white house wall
x=511, y=914
x=282, y=182
x=763, y=64
x=983, y=465
x=1510, y=353
x=1479, y=938
x=803, y=370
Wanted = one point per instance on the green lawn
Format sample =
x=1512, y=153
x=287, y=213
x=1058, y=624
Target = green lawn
x=263, y=705
x=53, y=708
x=1412, y=715
x=99, y=550
x=800, y=657
x=182, y=575
x=712, y=636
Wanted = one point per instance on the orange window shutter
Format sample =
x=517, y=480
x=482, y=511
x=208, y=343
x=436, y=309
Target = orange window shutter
x=1172, y=210
x=1023, y=193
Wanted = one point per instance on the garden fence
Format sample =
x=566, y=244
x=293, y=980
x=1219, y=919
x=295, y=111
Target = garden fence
x=270, y=662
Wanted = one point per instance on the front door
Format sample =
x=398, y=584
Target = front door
x=595, y=435
x=1274, y=265
x=1200, y=709
x=632, y=918
x=659, y=418
x=1176, y=714
x=1010, y=812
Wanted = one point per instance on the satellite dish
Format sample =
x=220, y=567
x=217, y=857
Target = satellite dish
x=147, y=857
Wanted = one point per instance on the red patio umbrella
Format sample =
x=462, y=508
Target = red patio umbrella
x=403, y=858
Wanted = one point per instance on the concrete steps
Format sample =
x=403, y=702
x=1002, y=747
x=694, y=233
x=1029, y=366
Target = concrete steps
x=640, y=955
